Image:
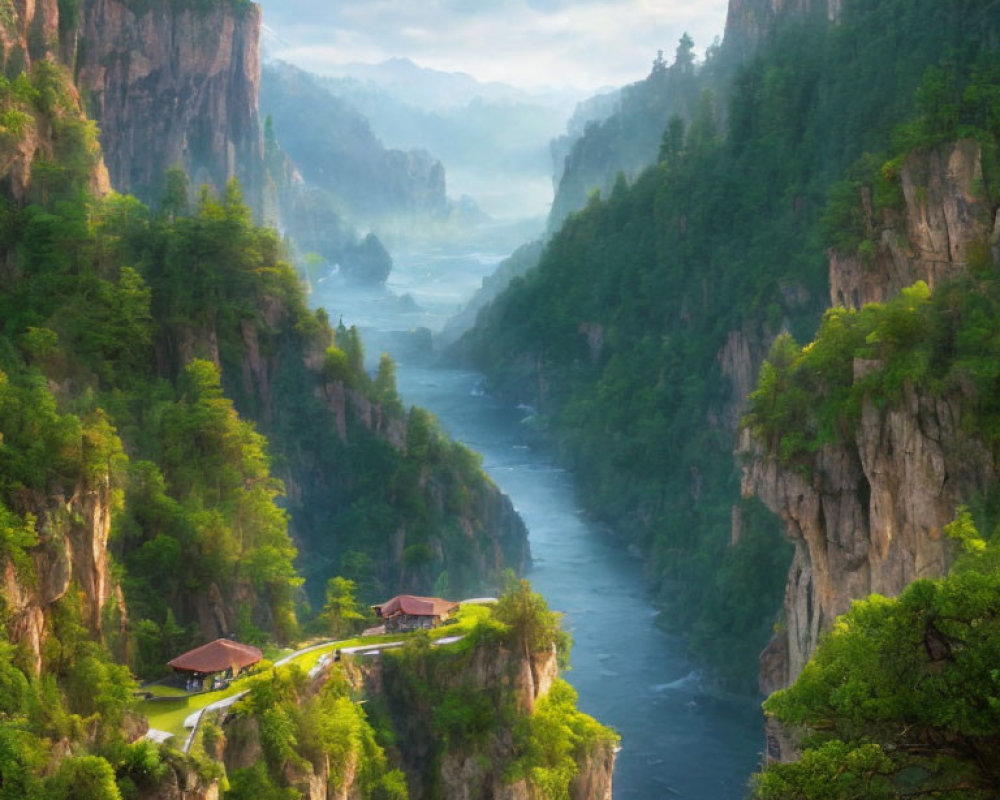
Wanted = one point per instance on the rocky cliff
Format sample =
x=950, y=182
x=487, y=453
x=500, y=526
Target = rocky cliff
x=173, y=84
x=943, y=214
x=71, y=555
x=465, y=721
x=868, y=515
x=866, y=512
x=41, y=131
x=475, y=752
x=29, y=32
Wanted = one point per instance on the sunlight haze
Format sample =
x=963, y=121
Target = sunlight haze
x=526, y=43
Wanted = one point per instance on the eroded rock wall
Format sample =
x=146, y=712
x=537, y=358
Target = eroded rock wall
x=71, y=553
x=174, y=84
x=866, y=514
x=944, y=216
x=470, y=770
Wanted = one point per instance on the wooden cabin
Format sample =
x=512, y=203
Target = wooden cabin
x=407, y=612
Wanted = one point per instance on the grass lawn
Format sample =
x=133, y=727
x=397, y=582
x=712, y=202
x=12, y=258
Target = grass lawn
x=163, y=691
x=169, y=712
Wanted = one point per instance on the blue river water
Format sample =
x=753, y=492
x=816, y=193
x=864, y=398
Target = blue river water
x=681, y=738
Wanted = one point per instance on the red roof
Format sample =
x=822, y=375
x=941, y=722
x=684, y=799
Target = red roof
x=414, y=606
x=217, y=656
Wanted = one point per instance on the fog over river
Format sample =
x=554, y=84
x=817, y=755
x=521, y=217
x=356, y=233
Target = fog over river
x=680, y=737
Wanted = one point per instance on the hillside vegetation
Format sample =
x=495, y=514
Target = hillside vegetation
x=652, y=308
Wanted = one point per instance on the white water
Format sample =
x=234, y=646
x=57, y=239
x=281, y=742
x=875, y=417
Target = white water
x=680, y=738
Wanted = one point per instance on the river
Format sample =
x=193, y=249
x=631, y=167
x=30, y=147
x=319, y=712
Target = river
x=680, y=738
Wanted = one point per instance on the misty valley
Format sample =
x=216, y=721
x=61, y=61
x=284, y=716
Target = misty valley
x=608, y=412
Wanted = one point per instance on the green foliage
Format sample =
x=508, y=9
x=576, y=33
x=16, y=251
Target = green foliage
x=645, y=303
x=256, y=783
x=945, y=344
x=299, y=731
x=531, y=626
x=554, y=741
x=341, y=612
x=384, y=386
x=464, y=716
x=17, y=537
x=901, y=697
x=83, y=778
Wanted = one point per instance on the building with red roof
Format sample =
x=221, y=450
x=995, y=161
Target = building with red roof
x=406, y=612
x=222, y=655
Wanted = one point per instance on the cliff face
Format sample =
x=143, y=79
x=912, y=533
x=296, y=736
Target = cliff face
x=173, y=84
x=869, y=517
x=169, y=84
x=29, y=31
x=71, y=552
x=929, y=238
x=866, y=514
x=30, y=36
x=511, y=685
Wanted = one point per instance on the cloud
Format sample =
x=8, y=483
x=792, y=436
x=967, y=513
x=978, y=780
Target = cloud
x=582, y=43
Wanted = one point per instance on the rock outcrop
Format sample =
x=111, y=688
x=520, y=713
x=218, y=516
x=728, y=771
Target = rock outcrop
x=174, y=84
x=169, y=84
x=867, y=516
x=182, y=782
x=477, y=767
x=29, y=32
x=866, y=513
x=71, y=552
x=29, y=37
x=929, y=239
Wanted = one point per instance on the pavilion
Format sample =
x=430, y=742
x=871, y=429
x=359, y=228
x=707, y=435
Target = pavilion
x=220, y=656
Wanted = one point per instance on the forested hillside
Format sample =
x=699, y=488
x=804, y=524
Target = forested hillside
x=642, y=329
x=145, y=352
x=628, y=138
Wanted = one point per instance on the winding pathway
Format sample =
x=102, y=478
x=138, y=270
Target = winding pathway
x=194, y=719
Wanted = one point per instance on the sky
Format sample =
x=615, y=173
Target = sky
x=583, y=44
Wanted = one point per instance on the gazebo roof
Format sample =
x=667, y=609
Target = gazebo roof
x=414, y=606
x=217, y=656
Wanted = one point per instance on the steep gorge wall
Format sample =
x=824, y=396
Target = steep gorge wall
x=169, y=83
x=173, y=84
x=944, y=214
x=866, y=514
x=71, y=555
x=475, y=766
x=29, y=36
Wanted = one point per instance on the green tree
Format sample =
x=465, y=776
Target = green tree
x=532, y=626
x=176, y=190
x=385, y=385
x=900, y=699
x=83, y=778
x=672, y=144
x=341, y=611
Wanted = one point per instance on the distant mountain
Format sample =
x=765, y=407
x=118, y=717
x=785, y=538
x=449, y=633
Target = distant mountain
x=340, y=153
x=493, y=138
x=436, y=89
